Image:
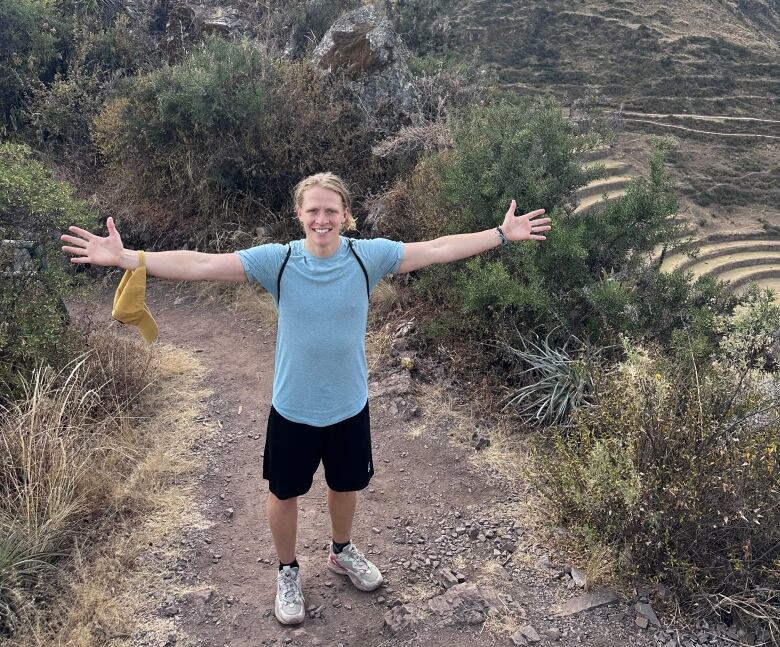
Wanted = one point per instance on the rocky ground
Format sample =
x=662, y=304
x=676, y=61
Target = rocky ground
x=462, y=566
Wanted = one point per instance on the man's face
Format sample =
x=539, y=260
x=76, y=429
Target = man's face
x=322, y=214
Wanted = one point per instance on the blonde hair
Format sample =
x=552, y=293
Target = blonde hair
x=332, y=182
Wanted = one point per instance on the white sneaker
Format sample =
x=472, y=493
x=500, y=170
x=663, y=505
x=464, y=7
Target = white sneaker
x=289, y=606
x=352, y=563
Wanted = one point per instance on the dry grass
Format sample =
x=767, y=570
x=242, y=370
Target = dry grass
x=501, y=623
x=378, y=345
x=508, y=454
x=389, y=296
x=239, y=298
x=492, y=571
x=420, y=592
x=441, y=410
x=257, y=302
x=600, y=568
x=104, y=489
x=434, y=136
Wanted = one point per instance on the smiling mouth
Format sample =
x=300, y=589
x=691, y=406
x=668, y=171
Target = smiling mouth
x=322, y=231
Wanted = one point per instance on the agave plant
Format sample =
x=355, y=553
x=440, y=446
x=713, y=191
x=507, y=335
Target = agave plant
x=556, y=381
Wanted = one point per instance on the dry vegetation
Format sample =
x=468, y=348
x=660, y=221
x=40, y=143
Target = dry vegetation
x=90, y=479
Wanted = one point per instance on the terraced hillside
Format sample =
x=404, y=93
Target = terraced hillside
x=696, y=56
x=738, y=258
x=619, y=173
x=704, y=74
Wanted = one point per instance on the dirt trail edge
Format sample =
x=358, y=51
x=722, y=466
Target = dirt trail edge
x=426, y=509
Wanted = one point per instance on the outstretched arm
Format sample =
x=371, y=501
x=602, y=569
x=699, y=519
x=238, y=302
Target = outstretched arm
x=87, y=247
x=453, y=248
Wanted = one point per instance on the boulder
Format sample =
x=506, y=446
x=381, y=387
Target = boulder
x=363, y=45
x=446, y=578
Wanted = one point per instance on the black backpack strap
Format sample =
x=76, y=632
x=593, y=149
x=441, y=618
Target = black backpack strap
x=362, y=267
x=279, y=277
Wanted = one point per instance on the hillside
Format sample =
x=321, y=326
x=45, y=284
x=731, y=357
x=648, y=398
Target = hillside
x=699, y=57
x=693, y=66
x=703, y=75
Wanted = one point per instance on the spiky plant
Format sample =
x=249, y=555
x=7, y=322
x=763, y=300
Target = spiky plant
x=554, y=381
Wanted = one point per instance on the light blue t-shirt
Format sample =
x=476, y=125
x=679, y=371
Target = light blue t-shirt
x=321, y=375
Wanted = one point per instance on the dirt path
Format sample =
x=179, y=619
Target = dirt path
x=703, y=132
x=426, y=508
x=685, y=115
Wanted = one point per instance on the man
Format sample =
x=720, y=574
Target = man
x=319, y=406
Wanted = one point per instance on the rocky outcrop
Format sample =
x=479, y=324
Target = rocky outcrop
x=363, y=45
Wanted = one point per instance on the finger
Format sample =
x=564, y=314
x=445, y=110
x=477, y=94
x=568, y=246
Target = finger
x=87, y=235
x=78, y=260
x=111, y=226
x=537, y=229
x=74, y=241
x=512, y=207
x=534, y=237
x=542, y=221
x=75, y=250
x=533, y=214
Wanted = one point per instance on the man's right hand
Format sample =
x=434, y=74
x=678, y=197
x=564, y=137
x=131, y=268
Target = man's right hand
x=99, y=250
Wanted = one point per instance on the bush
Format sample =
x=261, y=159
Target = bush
x=501, y=151
x=60, y=114
x=592, y=277
x=29, y=34
x=523, y=151
x=749, y=338
x=676, y=467
x=34, y=209
x=218, y=141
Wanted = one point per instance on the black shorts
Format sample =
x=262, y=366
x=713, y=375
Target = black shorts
x=293, y=452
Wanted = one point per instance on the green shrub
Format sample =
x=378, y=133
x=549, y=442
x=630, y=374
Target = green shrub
x=60, y=114
x=29, y=34
x=34, y=208
x=510, y=151
x=676, y=468
x=218, y=141
x=619, y=236
x=592, y=277
x=502, y=151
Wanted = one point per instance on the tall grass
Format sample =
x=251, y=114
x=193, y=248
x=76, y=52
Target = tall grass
x=64, y=447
